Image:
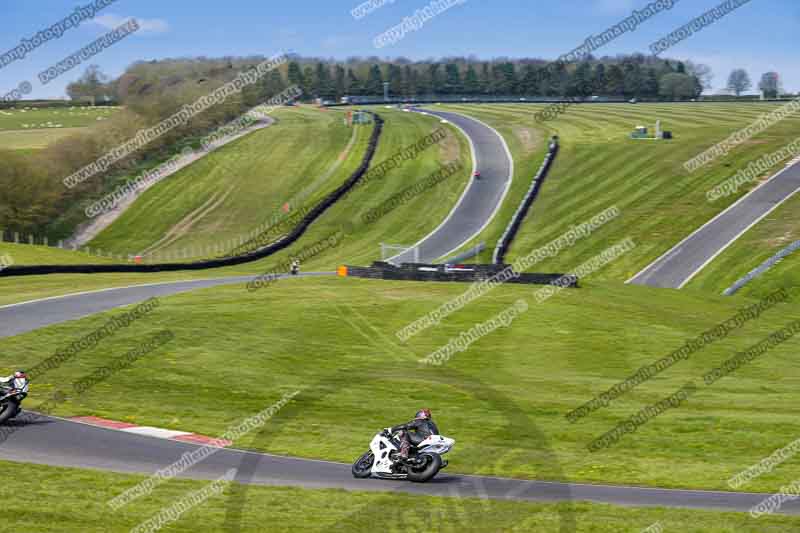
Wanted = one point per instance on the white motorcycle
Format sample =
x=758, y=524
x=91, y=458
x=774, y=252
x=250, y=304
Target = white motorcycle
x=383, y=458
x=11, y=398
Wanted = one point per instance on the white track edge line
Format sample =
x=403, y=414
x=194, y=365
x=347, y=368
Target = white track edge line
x=472, y=180
x=737, y=237
x=463, y=194
x=698, y=230
x=505, y=192
x=115, y=289
x=232, y=279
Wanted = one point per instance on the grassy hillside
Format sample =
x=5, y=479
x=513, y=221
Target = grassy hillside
x=233, y=190
x=59, y=491
x=334, y=340
x=600, y=166
x=405, y=224
x=410, y=220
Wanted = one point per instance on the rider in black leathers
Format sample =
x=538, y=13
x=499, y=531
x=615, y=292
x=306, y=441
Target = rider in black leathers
x=415, y=431
x=17, y=378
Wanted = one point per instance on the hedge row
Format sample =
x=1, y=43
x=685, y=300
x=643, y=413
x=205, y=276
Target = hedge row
x=513, y=227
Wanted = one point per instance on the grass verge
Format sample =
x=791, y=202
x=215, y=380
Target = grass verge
x=73, y=500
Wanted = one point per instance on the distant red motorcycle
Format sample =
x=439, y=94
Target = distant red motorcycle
x=477, y=174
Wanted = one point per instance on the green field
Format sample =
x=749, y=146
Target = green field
x=60, y=491
x=334, y=341
x=360, y=245
x=31, y=129
x=25, y=254
x=599, y=166
x=25, y=118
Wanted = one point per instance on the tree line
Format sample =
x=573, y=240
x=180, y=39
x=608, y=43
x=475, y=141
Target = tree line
x=630, y=76
x=770, y=84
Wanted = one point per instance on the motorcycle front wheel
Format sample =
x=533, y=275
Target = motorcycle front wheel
x=7, y=411
x=362, y=468
x=432, y=463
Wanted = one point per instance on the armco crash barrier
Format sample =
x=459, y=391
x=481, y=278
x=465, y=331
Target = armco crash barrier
x=463, y=273
x=261, y=253
x=513, y=227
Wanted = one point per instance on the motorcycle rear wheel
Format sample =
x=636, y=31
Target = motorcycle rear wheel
x=433, y=463
x=362, y=468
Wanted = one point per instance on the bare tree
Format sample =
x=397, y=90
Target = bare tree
x=92, y=85
x=700, y=71
x=739, y=81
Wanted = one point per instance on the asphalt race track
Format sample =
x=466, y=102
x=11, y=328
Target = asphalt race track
x=481, y=199
x=16, y=319
x=678, y=266
x=54, y=441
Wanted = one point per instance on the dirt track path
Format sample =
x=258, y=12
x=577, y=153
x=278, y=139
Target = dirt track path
x=182, y=228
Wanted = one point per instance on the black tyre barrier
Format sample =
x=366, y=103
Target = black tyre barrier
x=516, y=221
x=462, y=273
x=261, y=253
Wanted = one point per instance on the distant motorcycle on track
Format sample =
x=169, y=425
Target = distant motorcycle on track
x=11, y=398
x=383, y=460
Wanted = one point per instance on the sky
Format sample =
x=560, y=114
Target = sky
x=759, y=36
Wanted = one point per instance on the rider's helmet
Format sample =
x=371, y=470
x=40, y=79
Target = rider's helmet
x=423, y=414
x=20, y=374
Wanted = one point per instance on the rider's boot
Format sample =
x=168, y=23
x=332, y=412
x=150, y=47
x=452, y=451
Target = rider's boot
x=405, y=447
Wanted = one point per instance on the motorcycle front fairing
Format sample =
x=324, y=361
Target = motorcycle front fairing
x=382, y=448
